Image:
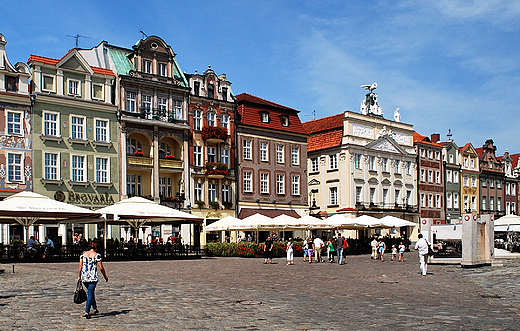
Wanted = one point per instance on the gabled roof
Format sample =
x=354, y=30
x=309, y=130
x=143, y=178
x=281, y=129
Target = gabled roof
x=466, y=147
x=325, y=123
x=480, y=151
x=250, y=108
x=418, y=138
x=324, y=140
x=386, y=142
x=55, y=62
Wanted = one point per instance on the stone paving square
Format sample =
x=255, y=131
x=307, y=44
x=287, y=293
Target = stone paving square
x=245, y=294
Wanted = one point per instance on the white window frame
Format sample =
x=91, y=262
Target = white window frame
x=162, y=69
x=106, y=128
x=147, y=66
x=465, y=182
x=280, y=154
x=449, y=176
x=357, y=161
x=295, y=185
x=484, y=198
x=315, y=164
x=264, y=151
x=225, y=193
x=384, y=164
x=333, y=161
x=212, y=192
x=71, y=81
x=211, y=154
x=82, y=127
x=83, y=169
x=359, y=193
x=280, y=184
x=131, y=99
x=430, y=176
x=94, y=91
x=212, y=121
x=248, y=182
x=295, y=156
x=264, y=183
x=177, y=109
x=17, y=168
x=224, y=155
x=423, y=200
x=372, y=163
x=449, y=200
x=147, y=101
x=53, y=83
x=438, y=177
x=473, y=203
x=247, y=149
x=455, y=200
x=423, y=175
x=197, y=156
x=197, y=119
x=56, y=167
x=397, y=166
x=162, y=103
x=199, y=191
x=437, y=201
x=56, y=123
x=455, y=176
x=99, y=171
x=264, y=117
x=224, y=121
x=333, y=196
x=473, y=181
x=10, y=125
x=134, y=184
x=499, y=203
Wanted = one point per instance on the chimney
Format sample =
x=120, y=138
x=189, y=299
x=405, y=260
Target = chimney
x=435, y=137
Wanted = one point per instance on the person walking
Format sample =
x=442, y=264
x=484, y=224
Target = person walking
x=382, y=247
x=318, y=246
x=422, y=246
x=401, y=252
x=310, y=250
x=330, y=251
x=339, y=248
x=305, y=249
x=373, y=243
x=268, y=253
x=89, y=262
x=290, y=252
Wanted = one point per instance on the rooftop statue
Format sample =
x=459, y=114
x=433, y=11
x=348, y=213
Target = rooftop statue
x=397, y=115
x=370, y=105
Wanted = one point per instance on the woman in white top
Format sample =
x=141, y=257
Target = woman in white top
x=290, y=252
x=89, y=262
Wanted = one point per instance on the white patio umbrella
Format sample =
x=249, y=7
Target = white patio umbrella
x=508, y=220
x=137, y=211
x=255, y=222
x=309, y=222
x=395, y=222
x=222, y=224
x=27, y=208
x=339, y=221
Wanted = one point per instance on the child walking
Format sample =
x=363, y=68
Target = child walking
x=394, y=253
x=401, y=252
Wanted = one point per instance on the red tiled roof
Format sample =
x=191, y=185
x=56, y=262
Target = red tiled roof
x=480, y=151
x=250, y=108
x=515, y=159
x=245, y=212
x=323, y=140
x=47, y=60
x=464, y=147
x=419, y=138
x=325, y=123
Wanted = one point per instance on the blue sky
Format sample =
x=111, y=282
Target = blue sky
x=446, y=64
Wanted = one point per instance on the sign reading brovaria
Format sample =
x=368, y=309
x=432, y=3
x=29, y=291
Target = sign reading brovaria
x=84, y=198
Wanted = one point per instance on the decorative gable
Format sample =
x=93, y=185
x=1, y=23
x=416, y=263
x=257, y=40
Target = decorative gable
x=314, y=182
x=73, y=64
x=386, y=144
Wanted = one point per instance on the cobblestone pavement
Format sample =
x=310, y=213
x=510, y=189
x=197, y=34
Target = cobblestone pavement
x=245, y=294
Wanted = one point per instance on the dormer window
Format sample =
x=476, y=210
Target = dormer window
x=74, y=87
x=162, y=69
x=147, y=66
x=196, y=88
x=211, y=91
x=224, y=93
x=11, y=83
x=284, y=120
x=264, y=117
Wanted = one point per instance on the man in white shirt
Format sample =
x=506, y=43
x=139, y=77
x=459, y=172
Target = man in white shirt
x=422, y=246
x=318, y=245
x=373, y=243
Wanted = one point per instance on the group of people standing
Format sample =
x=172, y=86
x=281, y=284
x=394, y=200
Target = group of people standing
x=379, y=248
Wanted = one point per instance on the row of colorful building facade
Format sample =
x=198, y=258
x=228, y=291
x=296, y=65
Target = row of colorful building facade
x=103, y=124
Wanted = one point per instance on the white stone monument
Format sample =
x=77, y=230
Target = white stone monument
x=477, y=240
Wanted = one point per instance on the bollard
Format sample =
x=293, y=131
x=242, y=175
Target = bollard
x=13, y=268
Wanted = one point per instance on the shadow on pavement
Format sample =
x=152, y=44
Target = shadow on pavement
x=113, y=313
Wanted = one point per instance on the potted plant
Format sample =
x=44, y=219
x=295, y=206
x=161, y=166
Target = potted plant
x=216, y=168
x=227, y=205
x=200, y=203
x=214, y=205
x=214, y=132
x=138, y=153
x=170, y=157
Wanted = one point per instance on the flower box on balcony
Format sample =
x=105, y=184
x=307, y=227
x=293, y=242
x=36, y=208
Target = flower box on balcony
x=170, y=157
x=216, y=169
x=138, y=153
x=214, y=134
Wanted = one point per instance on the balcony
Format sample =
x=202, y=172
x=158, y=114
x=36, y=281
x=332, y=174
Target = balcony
x=139, y=160
x=214, y=134
x=170, y=164
x=157, y=114
x=360, y=206
x=216, y=170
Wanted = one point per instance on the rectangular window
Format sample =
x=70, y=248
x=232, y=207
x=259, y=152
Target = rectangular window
x=474, y=203
x=508, y=189
x=199, y=193
x=14, y=123
x=430, y=154
x=397, y=196
x=384, y=164
x=163, y=104
x=455, y=176
x=280, y=184
x=430, y=176
x=491, y=183
x=197, y=120
x=314, y=164
x=408, y=196
x=102, y=170
x=499, y=183
x=101, y=127
x=14, y=167
x=197, y=156
x=212, y=154
x=295, y=156
x=224, y=156
x=51, y=124
x=162, y=69
x=133, y=185
x=50, y=167
x=438, y=177
x=177, y=109
x=359, y=191
x=224, y=122
x=484, y=203
x=466, y=181
x=385, y=196
x=224, y=93
x=74, y=87
x=372, y=163
x=48, y=83
x=211, y=91
x=466, y=162
x=212, y=192
x=437, y=201
x=77, y=127
x=357, y=161
x=423, y=200
x=449, y=177
x=225, y=193
x=78, y=168
x=449, y=200
x=423, y=175
x=247, y=149
x=211, y=119
x=264, y=183
x=296, y=185
x=97, y=91
x=455, y=200
x=130, y=102
x=333, y=161
x=499, y=203
x=279, y=154
x=437, y=155
x=264, y=117
x=196, y=88
x=451, y=158
x=333, y=196
x=147, y=103
x=408, y=167
x=264, y=154
x=165, y=186
x=372, y=195
x=397, y=166
x=430, y=201
x=473, y=181
x=472, y=163
x=423, y=152
x=147, y=66
x=248, y=184
x=513, y=189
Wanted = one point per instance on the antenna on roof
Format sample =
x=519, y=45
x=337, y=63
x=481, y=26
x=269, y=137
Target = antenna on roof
x=449, y=135
x=144, y=34
x=77, y=38
x=313, y=114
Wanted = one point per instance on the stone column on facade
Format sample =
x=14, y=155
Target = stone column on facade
x=62, y=232
x=88, y=87
x=155, y=174
x=37, y=79
x=108, y=92
x=59, y=82
x=2, y=82
x=123, y=162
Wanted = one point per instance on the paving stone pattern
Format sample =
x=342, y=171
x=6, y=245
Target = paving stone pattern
x=245, y=294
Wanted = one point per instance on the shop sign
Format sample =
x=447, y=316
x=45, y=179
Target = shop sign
x=84, y=198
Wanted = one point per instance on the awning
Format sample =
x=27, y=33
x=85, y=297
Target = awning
x=272, y=213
